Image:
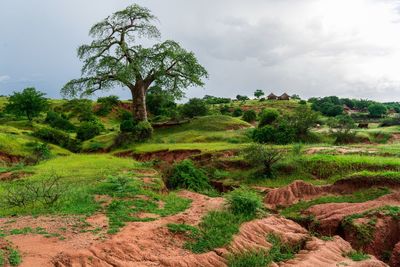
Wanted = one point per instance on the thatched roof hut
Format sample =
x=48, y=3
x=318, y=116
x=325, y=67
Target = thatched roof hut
x=284, y=97
x=271, y=96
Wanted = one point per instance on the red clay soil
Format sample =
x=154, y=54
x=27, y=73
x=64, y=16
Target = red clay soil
x=10, y=159
x=147, y=243
x=167, y=155
x=395, y=258
x=386, y=234
x=152, y=244
x=328, y=253
x=293, y=193
x=331, y=215
x=300, y=190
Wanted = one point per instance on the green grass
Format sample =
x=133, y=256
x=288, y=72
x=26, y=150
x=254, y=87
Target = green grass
x=215, y=230
x=255, y=258
x=121, y=211
x=357, y=255
x=14, y=258
x=294, y=212
x=331, y=166
x=279, y=252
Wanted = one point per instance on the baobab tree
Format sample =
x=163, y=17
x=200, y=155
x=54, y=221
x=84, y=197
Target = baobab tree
x=115, y=58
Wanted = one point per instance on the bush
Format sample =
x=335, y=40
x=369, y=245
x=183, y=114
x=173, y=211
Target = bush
x=282, y=133
x=45, y=191
x=186, y=175
x=127, y=126
x=59, y=121
x=51, y=135
x=244, y=201
x=225, y=110
x=106, y=104
x=377, y=110
x=88, y=130
x=41, y=151
x=267, y=116
x=195, y=107
x=57, y=137
x=264, y=134
x=237, y=112
x=143, y=131
x=249, y=116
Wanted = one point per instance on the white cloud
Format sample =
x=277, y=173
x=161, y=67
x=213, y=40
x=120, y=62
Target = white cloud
x=4, y=78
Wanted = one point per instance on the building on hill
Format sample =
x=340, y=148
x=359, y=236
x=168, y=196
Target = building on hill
x=284, y=96
x=272, y=97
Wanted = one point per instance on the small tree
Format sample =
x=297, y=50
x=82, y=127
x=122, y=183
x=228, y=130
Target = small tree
x=242, y=98
x=341, y=129
x=249, y=115
x=377, y=110
x=258, y=93
x=302, y=120
x=29, y=103
x=261, y=156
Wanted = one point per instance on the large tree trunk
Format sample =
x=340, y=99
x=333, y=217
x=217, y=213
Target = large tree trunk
x=139, y=110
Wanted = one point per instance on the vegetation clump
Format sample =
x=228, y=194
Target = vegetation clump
x=29, y=103
x=186, y=175
x=262, y=157
x=244, y=201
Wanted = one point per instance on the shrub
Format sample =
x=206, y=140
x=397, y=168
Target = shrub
x=267, y=116
x=106, y=104
x=59, y=121
x=45, y=191
x=283, y=133
x=244, y=201
x=80, y=108
x=127, y=126
x=261, y=156
x=143, y=131
x=377, y=110
x=125, y=115
x=264, y=134
x=51, y=135
x=237, y=112
x=225, y=110
x=249, y=116
x=186, y=175
x=341, y=129
x=302, y=102
x=41, y=151
x=88, y=130
x=195, y=107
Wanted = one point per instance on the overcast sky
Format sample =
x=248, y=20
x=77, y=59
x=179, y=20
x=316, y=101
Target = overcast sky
x=349, y=48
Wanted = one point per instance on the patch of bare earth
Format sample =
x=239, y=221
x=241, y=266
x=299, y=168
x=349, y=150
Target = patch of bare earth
x=56, y=234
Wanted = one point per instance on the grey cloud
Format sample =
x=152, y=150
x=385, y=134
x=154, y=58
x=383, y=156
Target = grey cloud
x=245, y=45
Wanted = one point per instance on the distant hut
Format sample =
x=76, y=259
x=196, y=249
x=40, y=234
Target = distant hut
x=272, y=97
x=284, y=97
x=346, y=109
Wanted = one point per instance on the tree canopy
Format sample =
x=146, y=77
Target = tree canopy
x=29, y=103
x=116, y=58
